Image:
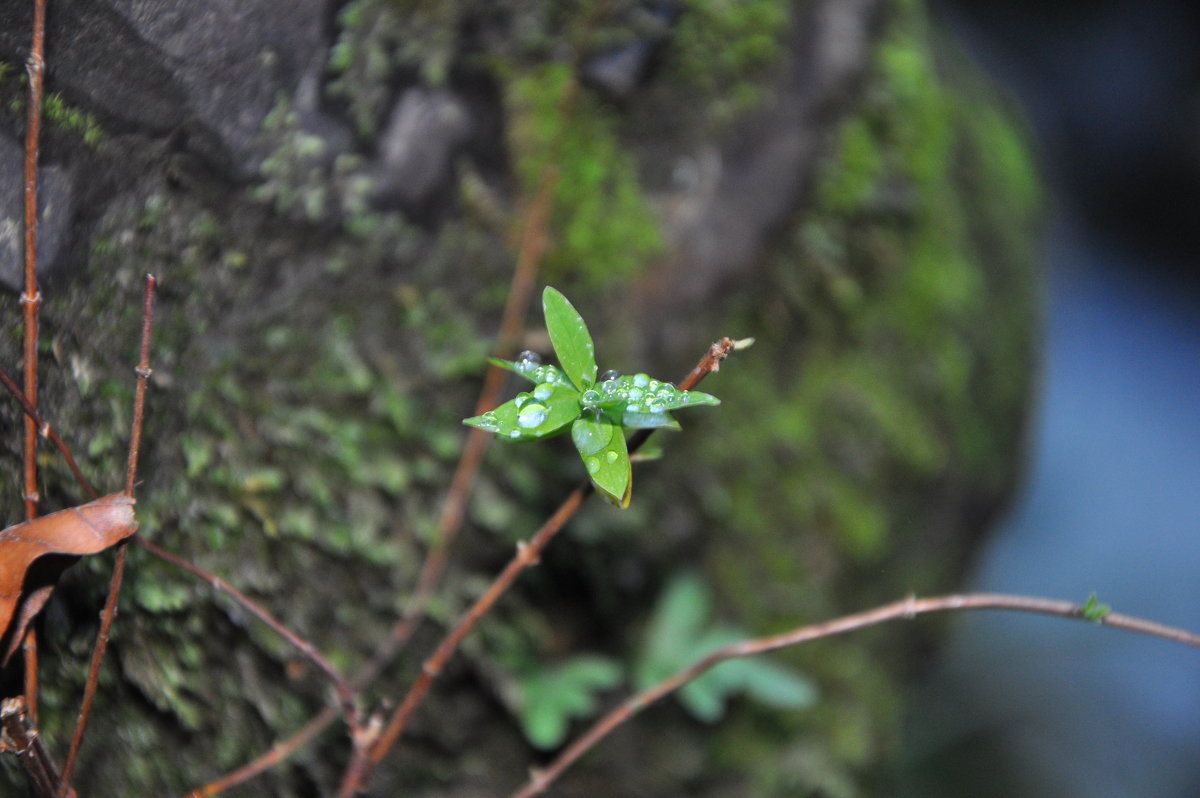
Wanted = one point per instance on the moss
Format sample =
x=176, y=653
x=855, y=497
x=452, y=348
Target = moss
x=724, y=49
x=888, y=387
x=57, y=112
x=605, y=226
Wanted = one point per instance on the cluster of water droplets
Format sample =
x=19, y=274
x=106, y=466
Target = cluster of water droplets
x=530, y=365
x=593, y=462
x=639, y=393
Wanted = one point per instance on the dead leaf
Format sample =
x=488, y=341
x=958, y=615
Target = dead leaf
x=87, y=529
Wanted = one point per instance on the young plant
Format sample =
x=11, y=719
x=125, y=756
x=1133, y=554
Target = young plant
x=597, y=409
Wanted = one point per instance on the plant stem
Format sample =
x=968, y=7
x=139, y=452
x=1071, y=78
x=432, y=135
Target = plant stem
x=528, y=554
x=114, y=586
x=905, y=609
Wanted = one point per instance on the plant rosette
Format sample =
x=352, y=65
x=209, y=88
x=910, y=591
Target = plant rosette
x=597, y=408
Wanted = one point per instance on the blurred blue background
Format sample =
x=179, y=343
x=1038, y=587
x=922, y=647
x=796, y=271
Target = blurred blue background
x=1035, y=706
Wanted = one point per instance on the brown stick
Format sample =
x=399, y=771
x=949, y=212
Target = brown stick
x=46, y=432
x=904, y=609
x=527, y=555
x=114, y=585
x=277, y=754
x=19, y=735
x=31, y=301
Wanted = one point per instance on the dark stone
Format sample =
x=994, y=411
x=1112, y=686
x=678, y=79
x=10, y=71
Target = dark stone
x=56, y=208
x=213, y=68
x=416, y=151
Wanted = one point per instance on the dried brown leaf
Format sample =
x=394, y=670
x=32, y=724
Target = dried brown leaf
x=87, y=529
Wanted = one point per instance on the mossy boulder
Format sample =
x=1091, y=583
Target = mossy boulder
x=831, y=178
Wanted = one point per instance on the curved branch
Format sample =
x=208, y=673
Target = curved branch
x=905, y=609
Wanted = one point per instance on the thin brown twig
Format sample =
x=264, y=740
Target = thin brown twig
x=46, y=432
x=905, y=609
x=533, y=243
x=114, y=586
x=528, y=553
x=31, y=301
x=278, y=753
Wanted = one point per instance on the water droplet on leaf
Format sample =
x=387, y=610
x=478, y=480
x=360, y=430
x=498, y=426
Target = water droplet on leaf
x=590, y=398
x=529, y=359
x=593, y=465
x=633, y=409
x=521, y=399
x=610, y=375
x=641, y=380
x=532, y=415
x=611, y=456
x=635, y=393
x=543, y=391
x=514, y=434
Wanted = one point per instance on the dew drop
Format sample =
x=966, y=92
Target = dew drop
x=611, y=456
x=684, y=398
x=641, y=380
x=529, y=359
x=543, y=391
x=635, y=393
x=593, y=465
x=656, y=407
x=610, y=375
x=521, y=399
x=514, y=434
x=532, y=415
x=590, y=398
x=633, y=409
x=654, y=385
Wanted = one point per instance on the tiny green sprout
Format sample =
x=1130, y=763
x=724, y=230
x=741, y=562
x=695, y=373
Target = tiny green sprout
x=597, y=408
x=1094, y=611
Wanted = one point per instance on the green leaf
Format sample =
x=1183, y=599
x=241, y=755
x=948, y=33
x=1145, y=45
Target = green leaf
x=531, y=416
x=678, y=635
x=533, y=371
x=601, y=444
x=1094, y=611
x=571, y=339
x=648, y=421
x=551, y=697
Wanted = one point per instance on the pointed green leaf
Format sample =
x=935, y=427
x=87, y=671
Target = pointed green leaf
x=531, y=416
x=534, y=372
x=571, y=339
x=591, y=432
x=601, y=444
x=648, y=421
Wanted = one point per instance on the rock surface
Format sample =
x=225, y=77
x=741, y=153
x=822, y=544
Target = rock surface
x=333, y=197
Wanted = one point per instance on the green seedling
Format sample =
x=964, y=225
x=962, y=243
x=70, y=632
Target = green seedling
x=597, y=408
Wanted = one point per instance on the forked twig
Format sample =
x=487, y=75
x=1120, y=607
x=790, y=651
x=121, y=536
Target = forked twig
x=528, y=554
x=114, y=587
x=19, y=735
x=904, y=609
